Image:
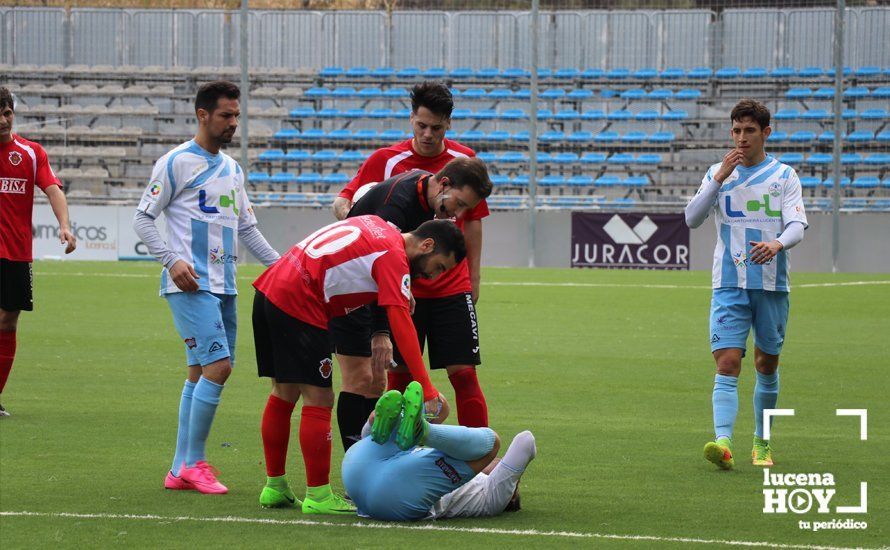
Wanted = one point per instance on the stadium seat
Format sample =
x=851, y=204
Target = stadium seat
x=498, y=136
x=849, y=114
x=621, y=114
x=846, y=71
x=297, y=155
x=512, y=157
x=827, y=136
x=593, y=158
x=383, y=73
x=815, y=114
x=877, y=159
x=339, y=134
x=544, y=73
x=551, y=136
x=851, y=158
x=302, y=112
x=648, y=158
x=522, y=93
x=621, y=158
x=553, y=93
x=624, y=202
x=513, y=73
x=545, y=114
x=408, y=72
x=272, y=155
x=607, y=181
x=782, y=72
x=700, y=73
x=328, y=113
x=786, y=114
x=671, y=73
x=647, y=114
x=370, y=93
x=810, y=182
x=460, y=114
x=283, y=178
x=351, y=156
x=565, y=73
x=829, y=182
x=606, y=137
x=520, y=181
x=883, y=136
x=551, y=180
x=727, y=72
x=313, y=134
x=661, y=137
x=635, y=181
x=580, y=137
x=471, y=135
x=580, y=181
x=618, y=73
x=866, y=182
x=881, y=92
x=499, y=180
x=567, y=114
x=799, y=93
x=802, y=136
x=565, y=158
x=856, y=92
x=500, y=94
x=258, y=177
x=487, y=157
x=324, y=155
x=512, y=114
x=660, y=94
x=607, y=93
x=580, y=94
x=287, y=133
x=592, y=74
x=473, y=93
x=633, y=93
x=343, y=92
x=824, y=93
x=331, y=72
x=354, y=113
x=317, y=93
x=885, y=183
x=811, y=72
x=521, y=136
x=645, y=73
x=867, y=71
x=594, y=114
x=688, y=94
x=434, y=73
x=874, y=114
x=392, y=135
x=633, y=137
x=461, y=72
x=791, y=158
x=777, y=137
x=484, y=114
x=385, y=113
x=335, y=179
x=818, y=159
x=309, y=178
x=366, y=134
x=358, y=72
x=860, y=136
x=543, y=158
x=675, y=115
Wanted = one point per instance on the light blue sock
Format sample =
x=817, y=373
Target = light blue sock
x=766, y=395
x=460, y=442
x=726, y=404
x=204, y=402
x=182, y=433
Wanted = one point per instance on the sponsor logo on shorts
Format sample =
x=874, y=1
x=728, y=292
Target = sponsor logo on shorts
x=16, y=186
x=215, y=346
x=15, y=158
x=448, y=470
x=715, y=339
x=218, y=325
x=474, y=324
x=191, y=343
x=325, y=367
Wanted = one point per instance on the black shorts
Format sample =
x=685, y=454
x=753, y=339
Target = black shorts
x=351, y=334
x=16, y=286
x=289, y=350
x=451, y=327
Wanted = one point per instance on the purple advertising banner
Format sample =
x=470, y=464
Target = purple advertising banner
x=630, y=241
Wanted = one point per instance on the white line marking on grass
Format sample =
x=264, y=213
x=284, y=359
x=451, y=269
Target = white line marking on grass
x=494, y=283
x=421, y=527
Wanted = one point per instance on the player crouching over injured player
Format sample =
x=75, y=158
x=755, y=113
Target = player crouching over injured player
x=406, y=468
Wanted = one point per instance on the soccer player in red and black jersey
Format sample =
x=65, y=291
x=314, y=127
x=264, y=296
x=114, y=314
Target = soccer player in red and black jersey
x=445, y=314
x=23, y=165
x=337, y=269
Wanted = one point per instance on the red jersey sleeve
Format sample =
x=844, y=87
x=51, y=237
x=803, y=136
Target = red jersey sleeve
x=393, y=279
x=370, y=171
x=45, y=175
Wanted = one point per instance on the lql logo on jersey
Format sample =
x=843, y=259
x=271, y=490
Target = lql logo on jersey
x=225, y=201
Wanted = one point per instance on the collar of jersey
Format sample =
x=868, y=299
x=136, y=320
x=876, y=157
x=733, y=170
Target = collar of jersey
x=422, y=186
x=756, y=167
x=198, y=150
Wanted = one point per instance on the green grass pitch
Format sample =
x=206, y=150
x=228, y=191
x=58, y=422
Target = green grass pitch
x=609, y=369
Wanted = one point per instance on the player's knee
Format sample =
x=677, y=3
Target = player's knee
x=355, y=373
x=9, y=320
x=218, y=371
x=766, y=364
x=729, y=362
x=315, y=396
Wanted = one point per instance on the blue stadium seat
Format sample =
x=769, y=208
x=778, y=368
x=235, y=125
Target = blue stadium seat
x=618, y=73
x=648, y=158
x=460, y=114
x=881, y=204
x=358, y=72
x=786, y=114
x=621, y=114
x=624, y=202
x=340, y=134
x=370, y=93
x=635, y=181
x=883, y=136
x=728, y=72
x=287, y=133
x=882, y=92
x=392, y=135
x=324, y=155
x=633, y=93
x=499, y=180
x=846, y=71
x=354, y=113
x=754, y=72
x=283, y=178
x=645, y=73
x=802, y=136
x=408, y=72
x=313, y=133
x=606, y=137
x=633, y=137
x=816, y=114
x=511, y=114
x=258, y=177
x=402, y=113
x=473, y=93
x=551, y=136
x=593, y=158
x=450, y=134
x=366, y=134
x=461, y=72
x=607, y=180
x=580, y=94
x=545, y=114
x=818, y=158
x=886, y=183
x=647, y=114
x=699, y=73
x=592, y=74
x=824, y=93
x=302, y=112
x=854, y=203
x=580, y=137
x=799, y=93
x=660, y=94
x=553, y=93
x=472, y=135
x=343, y=91
x=829, y=182
x=522, y=93
x=687, y=94
x=396, y=93
x=567, y=114
x=544, y=73
x=675, y=115
x=272, y=155
x=782, y=72
x=328, y=113
x=350, y=156
x=512, y=157
x=671, y=73
x=317, y=93
x=580, y=181
x=874, y=114
x=383, y=73
x=542, y=158
x=500, y=94
x=811, y=72
x=330, y=72
x=434, y=73
x=856, y=92
x=867, y=71
x=520, y=181
x=487, y=157
x=498, y=136
x=484, y=114
x=521, y=136
x=486, y=73
x=607, y=93
x=777, y=137
x=566, y=72
x=593, y=114
x=662, y=137
x=851, y=158
x=382, y=113
x=335, y=179
x=565, y=158
x=297, y=155
x=309, y=178
x=848, y=114
x=551, y=180
x=810, y=182
x=877, y=159
x=791, y=158
x=621, y=158
x=860, y=136
x=513, y=73
x=827, y=136
x=866, y=182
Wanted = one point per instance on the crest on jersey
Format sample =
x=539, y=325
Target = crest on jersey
x=406, y=286
x=325, y=367
x=775, y=189
x=15, y=158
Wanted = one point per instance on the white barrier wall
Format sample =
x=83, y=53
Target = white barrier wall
x=106, y=233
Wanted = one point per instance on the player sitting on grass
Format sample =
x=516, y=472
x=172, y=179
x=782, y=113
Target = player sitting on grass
x=406, y=468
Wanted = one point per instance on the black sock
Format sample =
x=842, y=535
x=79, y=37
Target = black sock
x=370, y=403
x=351, y=417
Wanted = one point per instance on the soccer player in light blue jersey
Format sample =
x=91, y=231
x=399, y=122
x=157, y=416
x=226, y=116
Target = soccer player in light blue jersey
x=759, y=214
x=201, y=192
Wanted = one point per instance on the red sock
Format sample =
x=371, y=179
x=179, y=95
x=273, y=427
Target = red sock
x=471, y=408
x=7, y=356
x=396, y=380
x=315, y=442
x=276, y=434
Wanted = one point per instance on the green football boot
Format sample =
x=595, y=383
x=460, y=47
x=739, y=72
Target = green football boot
x=386, y=415
x=326, y=502
x=413, y=429
x=720, y=453
x=762, y=454
x=278, y=495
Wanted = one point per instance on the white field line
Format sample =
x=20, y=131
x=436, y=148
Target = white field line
x=420, y=527
x=489, y=283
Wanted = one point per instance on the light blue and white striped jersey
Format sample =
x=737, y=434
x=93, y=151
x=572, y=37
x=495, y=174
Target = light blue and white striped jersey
x=203, y=198
x=754, y=204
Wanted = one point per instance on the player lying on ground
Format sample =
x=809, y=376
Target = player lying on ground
x=406, y=468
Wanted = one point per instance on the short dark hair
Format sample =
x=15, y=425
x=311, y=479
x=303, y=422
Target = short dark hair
x=750, y=108
x=448, y=237
x=209, y=94
x=6, y=99
x=434, y=95
x=467, y=171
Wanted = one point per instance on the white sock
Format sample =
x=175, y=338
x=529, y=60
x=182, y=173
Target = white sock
x=521, y=451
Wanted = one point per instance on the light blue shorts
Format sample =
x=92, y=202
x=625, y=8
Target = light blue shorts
x=734, y=311
x=389, y=484
x=207, y=323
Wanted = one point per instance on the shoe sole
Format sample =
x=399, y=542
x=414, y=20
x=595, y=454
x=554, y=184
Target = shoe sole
x=715, y=454
x=386, y=414
x=413, y=404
